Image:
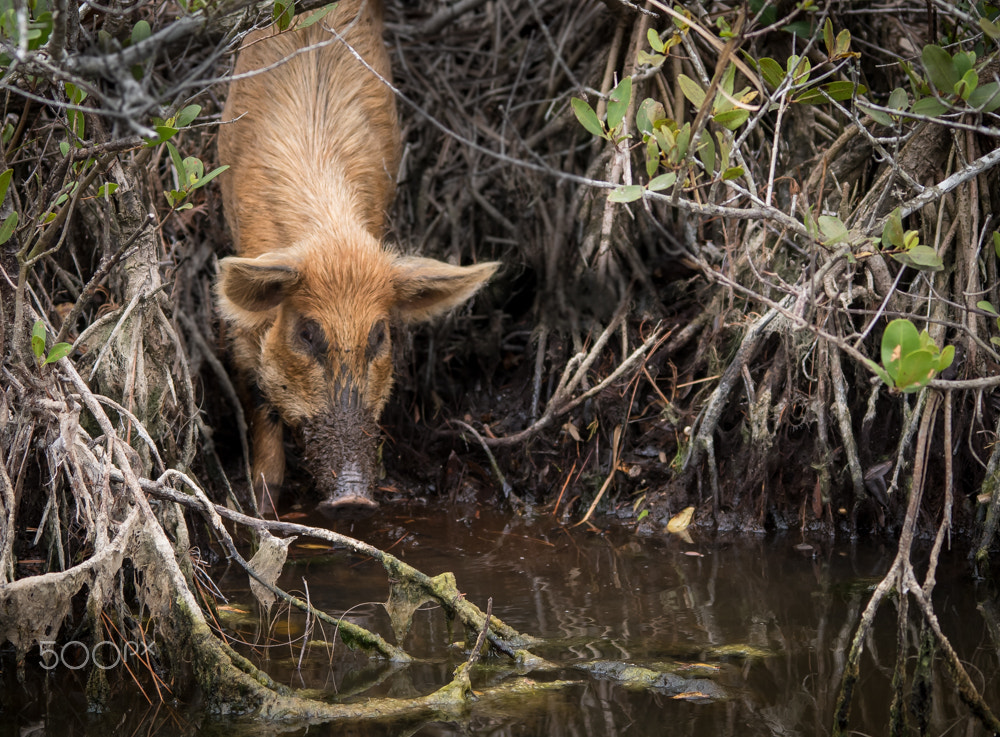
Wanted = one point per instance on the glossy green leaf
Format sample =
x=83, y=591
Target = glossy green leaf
x=5, y=183
x=7, y=228
x=618, y=103
x=187, y=115
x=663, y=181
x=839, y=90
x=892, y=232
x=316, y=16
x=692, y=90
x=967, y=84
x=706, y=152
x=210, y=176
x=990, y=28
x=929, y=106
x=734, y=172
x=59, y=350
x=799, y=67
x=940, y=68
x=915, y=370
x=732, y=119
x=881, y=372
x=899, y=339
x=655, y=43
x=898, y=99
x=832, y=228
x=828, y=40
x=986, y=97
x=38, y=338
x=877, y=115
x=772, y=72
x=140, y=31
x=587, y=117
x=649, y=112
x=629, y=193
x=963, y=61
x=923, y=258
x=652, y=157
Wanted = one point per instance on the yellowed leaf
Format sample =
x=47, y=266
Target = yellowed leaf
x=679, y=522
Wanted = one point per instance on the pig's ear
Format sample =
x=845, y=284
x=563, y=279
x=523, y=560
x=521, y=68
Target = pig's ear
x=255, y=284
x=426, y=288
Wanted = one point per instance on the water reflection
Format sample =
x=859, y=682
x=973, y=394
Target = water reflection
x=775, y=618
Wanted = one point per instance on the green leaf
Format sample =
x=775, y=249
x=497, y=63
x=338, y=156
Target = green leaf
x=7, y=228
x=911, y=239
x=898, y=100
x=772, y=72
x=283, y=13
x=987, y=306
x=732, y=119
x=644, y=58
x=140, y=31
x=650, y=111
x=652, y=157
x=828, y=37
x=990, y=28
x=899, y=339
x=945, y=359
x=178, y=163
x=995, y=340
x=587, y=117
x=5, y=183
x=59, y=350
x=663, y=181
x=892, y=232
x=963, y=62
x=618, y=103
x=629, y=193
x=967, y=84
x=706, y=152
x=843, y=44
x=692, y=90
x=996, y=242
x=108, y=188
x=923, y=258
x=833, y=229
x=940, y=68
x=64, y=148
x=840, y=90
x=915, y=370
x=655, y=43
x=210, y=176
x=734, y=172
x=315, y=16
x=877, y=115
x=986, y=97
x=188, y=114
x=799, y=67
x=38, y=338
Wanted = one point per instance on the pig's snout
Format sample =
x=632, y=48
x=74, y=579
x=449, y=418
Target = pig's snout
x=351, y=494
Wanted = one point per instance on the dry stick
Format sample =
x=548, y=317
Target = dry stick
x=553, y=410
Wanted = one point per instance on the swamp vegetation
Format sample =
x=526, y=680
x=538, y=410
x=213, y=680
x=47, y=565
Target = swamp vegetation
x=751, y=256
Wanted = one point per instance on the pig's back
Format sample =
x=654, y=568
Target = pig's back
x=317, y=138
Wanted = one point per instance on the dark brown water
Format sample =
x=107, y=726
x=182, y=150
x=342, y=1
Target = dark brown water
x=775, y=618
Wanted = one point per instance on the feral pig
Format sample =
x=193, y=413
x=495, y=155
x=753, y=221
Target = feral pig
x=312, y=141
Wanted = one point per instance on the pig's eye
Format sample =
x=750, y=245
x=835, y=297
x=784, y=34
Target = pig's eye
x=377, y=339
x=312, y=338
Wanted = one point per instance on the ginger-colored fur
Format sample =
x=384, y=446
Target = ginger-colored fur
x=313, y=148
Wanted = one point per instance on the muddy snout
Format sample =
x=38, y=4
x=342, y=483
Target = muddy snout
x=340, y=452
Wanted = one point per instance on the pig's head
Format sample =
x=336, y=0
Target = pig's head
x=312, y=327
